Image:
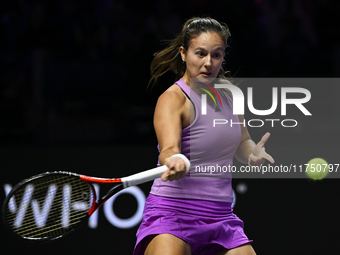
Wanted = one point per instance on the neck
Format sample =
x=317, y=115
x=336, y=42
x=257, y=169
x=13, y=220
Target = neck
x=186, y=78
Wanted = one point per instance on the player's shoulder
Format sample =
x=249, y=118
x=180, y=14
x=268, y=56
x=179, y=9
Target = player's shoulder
x=173, y=96
x=228, y=92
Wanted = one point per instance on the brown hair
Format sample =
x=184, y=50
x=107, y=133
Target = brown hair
x=170, y=58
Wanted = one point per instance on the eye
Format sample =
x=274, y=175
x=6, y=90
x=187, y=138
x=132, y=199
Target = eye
x=200, y=54
x=217, y=55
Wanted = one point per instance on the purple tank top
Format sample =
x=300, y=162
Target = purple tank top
x=210, y=149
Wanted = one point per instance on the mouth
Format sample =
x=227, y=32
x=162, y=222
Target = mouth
x=206, y=74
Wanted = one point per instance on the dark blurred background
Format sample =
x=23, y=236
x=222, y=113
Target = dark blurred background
x=73, y=96
x=77, y=71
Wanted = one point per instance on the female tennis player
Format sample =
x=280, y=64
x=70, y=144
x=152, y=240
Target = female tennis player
x=184, y=214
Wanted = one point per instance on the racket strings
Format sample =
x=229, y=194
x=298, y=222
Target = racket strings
x=50, y=206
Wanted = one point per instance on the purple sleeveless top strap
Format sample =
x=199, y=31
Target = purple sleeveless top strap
x=210, y=148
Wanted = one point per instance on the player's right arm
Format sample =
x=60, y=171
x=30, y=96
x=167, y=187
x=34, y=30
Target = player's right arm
x=169, y=114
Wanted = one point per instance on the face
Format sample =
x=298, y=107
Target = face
x=204, y=56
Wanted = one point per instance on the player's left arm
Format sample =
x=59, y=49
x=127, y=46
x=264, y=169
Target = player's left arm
x=248, y=152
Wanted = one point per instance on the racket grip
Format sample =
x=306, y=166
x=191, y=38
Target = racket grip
x=142, y=177
x=149, y=175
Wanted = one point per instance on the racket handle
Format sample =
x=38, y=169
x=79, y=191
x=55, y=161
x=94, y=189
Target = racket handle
x=142, y=177
x=149, y=175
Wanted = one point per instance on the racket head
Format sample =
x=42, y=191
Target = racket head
x=48, y=206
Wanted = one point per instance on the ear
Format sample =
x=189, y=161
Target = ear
x=183, y=53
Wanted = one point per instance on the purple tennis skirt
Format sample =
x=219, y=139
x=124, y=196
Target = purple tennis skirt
x=207, y=226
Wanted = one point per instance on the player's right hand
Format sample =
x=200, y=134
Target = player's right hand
x=177, y=169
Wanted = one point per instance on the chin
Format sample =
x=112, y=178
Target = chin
x=206, y=80
x=202, y=80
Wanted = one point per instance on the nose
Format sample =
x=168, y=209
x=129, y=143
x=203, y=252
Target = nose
x=208, y=61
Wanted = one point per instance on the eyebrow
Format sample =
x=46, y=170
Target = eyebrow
x=200, y=48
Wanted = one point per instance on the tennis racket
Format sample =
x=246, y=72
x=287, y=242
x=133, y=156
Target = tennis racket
x=53, y=204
